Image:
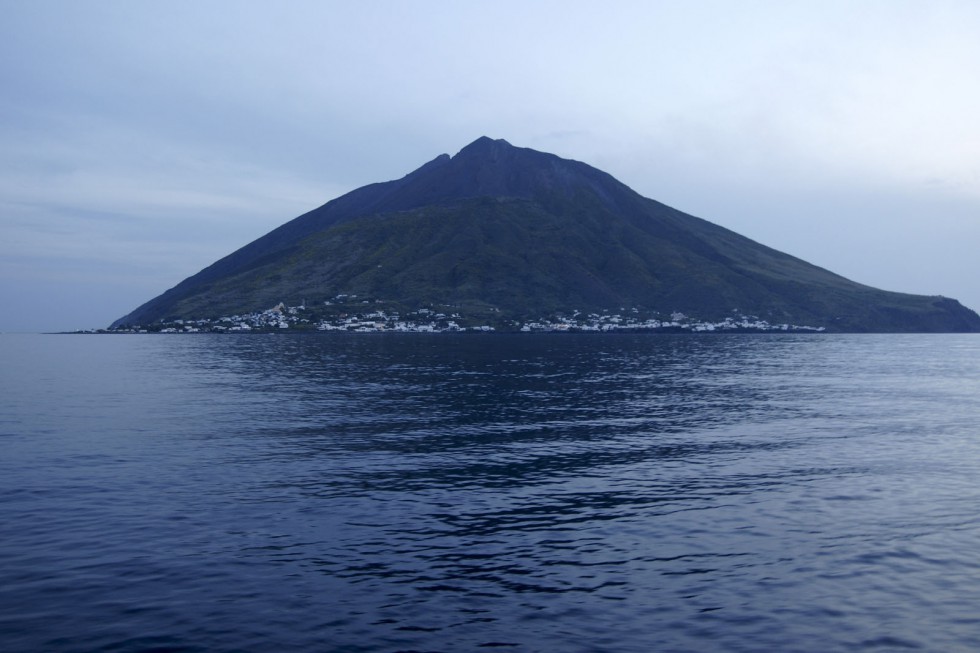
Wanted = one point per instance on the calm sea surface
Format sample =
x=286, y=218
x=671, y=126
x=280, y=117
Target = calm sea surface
x=554, y=493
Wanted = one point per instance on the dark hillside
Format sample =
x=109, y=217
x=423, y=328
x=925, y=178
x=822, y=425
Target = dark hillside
x=525, y=233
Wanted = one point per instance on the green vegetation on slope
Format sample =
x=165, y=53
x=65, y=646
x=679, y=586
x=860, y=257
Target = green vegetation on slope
x=514, y=233
x=520, y=260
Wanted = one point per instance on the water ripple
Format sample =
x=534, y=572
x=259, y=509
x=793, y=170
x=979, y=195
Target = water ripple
x=537, y=493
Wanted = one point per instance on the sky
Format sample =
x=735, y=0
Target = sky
x=141, y=141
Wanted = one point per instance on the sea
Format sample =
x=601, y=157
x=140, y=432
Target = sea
x=564, y=493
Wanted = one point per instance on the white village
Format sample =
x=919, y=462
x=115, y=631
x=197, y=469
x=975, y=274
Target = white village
x=376, y=316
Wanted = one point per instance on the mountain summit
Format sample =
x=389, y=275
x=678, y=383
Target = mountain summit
x=513, y=232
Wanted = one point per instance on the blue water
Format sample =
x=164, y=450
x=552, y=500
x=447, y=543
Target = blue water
x=558, y=493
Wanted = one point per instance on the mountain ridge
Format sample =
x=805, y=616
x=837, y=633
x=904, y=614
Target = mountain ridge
x=515, y=230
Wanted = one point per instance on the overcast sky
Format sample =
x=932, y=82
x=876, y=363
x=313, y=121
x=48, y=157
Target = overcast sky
x=141, y=141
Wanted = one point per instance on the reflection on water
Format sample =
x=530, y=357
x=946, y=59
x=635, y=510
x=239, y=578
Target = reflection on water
x=531, y=493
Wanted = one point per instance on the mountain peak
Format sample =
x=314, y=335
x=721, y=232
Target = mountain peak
x=485, y=147
x=485, y=142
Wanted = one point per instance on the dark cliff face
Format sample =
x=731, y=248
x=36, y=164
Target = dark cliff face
x=526, y=231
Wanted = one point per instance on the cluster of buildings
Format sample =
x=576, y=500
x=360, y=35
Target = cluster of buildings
x=281, y=317
x=678, y=322
x=370, y=319
x=423, y=320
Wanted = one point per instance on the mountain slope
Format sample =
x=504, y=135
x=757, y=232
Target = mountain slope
x=526, y=233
